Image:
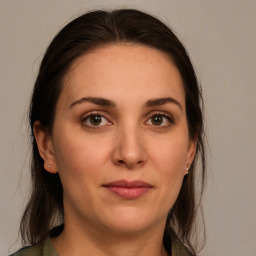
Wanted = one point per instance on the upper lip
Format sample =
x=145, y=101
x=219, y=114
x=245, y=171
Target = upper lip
x=128, y=184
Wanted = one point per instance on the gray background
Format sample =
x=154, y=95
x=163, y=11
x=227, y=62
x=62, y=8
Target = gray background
x=220, y=36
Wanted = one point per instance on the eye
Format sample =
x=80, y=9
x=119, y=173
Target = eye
x=95, y=120
x=160, y=119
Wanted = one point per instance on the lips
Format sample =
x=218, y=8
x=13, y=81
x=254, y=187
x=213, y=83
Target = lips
x=128, y=189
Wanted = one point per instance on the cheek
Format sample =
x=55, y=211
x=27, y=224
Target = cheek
x=169, y=159
x=171, y=155
x=78, y=157
x=79, y=165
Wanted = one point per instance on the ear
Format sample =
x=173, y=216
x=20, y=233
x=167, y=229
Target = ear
x=191, y=151
x=45, y=147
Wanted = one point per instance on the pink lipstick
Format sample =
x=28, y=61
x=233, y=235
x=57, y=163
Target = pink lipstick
x=128, y=189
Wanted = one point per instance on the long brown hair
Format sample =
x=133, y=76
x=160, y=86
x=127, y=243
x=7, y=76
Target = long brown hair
x=89, y=31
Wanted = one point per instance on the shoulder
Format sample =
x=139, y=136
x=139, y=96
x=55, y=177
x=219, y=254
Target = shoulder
x=35, y=250
x=43, y=249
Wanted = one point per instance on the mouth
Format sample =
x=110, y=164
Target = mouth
x=128, y=189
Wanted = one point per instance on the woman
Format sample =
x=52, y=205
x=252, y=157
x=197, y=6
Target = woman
x=117, y=127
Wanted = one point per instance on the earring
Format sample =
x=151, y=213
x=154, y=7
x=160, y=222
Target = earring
x=49, y=166
x=187, y=168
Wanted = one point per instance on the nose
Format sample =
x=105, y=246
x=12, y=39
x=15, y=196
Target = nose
x=129, y=150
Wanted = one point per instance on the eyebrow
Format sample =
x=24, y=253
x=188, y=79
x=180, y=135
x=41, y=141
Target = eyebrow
x=162, y=101
x=105, y=102
x=95, y=100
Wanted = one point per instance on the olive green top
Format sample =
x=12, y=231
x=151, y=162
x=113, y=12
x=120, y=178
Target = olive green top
x=46, y=249
x=42, y=249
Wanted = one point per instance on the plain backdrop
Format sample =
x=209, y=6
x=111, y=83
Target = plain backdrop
x=220, y=36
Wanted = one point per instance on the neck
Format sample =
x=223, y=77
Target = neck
x=77, y=241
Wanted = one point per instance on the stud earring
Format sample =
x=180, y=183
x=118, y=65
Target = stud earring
x=187, y=168
x=49, y=166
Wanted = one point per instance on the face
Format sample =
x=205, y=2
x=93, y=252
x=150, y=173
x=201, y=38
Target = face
x=120, y=139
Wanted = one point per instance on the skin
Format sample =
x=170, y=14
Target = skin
x=126, y=144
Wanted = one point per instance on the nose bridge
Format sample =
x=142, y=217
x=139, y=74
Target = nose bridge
x=129, y=149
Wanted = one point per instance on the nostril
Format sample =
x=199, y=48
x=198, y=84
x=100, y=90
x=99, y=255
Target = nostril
x=121, y=161
x=129, y=163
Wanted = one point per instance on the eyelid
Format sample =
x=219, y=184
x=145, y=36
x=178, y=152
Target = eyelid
x=164, y=114
x=95, y=113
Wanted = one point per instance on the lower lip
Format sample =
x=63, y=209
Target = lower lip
x=129, y=193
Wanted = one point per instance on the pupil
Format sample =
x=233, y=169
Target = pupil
x=95, y=120
x=157, y=120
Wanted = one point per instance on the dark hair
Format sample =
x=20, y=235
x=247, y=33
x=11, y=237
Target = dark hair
x=87, y=32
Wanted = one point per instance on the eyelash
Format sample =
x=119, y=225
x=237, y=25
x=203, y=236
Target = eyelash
x=163, y=115
x=94, y=114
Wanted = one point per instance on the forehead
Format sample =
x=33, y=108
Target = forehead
x=123, y=71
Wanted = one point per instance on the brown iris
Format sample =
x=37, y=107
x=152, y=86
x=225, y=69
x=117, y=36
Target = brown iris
x=95, y=120
x=157, y=120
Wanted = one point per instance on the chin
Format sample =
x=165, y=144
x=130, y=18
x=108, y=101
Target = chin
x=129, y=220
